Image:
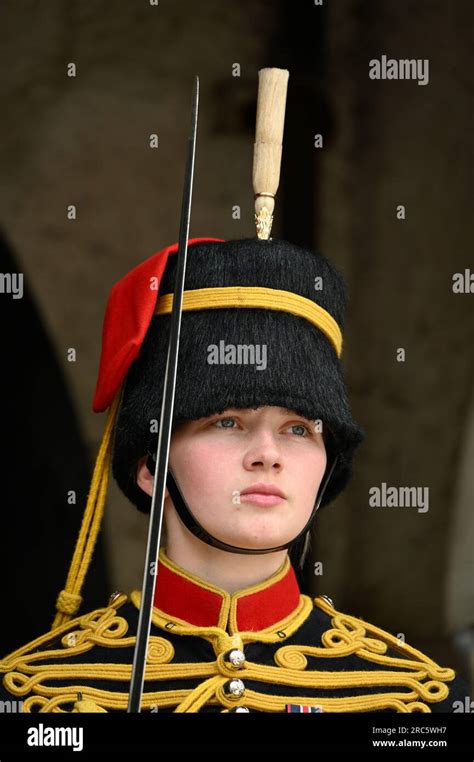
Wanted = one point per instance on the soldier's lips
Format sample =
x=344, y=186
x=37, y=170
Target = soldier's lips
x=259, y=498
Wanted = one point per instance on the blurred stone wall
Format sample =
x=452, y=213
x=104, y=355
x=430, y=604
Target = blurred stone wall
x=400, y=143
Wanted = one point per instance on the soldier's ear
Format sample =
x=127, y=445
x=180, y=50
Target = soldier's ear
x=145, y=478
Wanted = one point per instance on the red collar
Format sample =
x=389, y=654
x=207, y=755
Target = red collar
x=182, y=595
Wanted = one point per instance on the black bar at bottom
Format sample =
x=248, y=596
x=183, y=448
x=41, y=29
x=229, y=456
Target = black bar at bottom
x=95, y=735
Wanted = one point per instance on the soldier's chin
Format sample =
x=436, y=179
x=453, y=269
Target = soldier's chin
x=262, y=540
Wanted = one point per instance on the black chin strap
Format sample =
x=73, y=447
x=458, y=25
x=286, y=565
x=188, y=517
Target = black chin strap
x=191, y=522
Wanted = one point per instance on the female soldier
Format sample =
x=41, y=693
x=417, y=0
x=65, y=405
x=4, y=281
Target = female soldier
x=255, y=451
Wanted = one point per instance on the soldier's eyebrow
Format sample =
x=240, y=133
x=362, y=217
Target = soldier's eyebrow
x=284, y=410
x=230, y=411
x=299, y=415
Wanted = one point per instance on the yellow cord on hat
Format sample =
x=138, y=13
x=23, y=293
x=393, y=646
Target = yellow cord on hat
x=261, y=298
x=70, y=599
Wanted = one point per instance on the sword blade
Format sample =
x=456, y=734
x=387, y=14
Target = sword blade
x=156, y=513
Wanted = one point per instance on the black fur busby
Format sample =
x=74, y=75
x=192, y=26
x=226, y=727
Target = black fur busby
x=299, y=369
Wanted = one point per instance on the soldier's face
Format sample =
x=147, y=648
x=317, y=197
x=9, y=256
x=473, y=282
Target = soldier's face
x=215, y=459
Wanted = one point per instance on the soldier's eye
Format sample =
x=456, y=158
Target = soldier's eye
x=224, y=422
x=301, y=427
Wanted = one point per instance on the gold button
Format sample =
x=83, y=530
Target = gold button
x=236, y=657
x=234, y=688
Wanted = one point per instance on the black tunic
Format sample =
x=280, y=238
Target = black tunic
x=267, y=648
